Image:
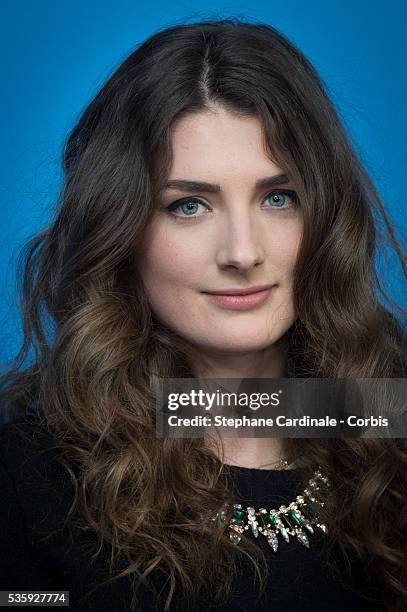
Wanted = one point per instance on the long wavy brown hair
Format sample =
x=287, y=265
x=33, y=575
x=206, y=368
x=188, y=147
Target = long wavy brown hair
x=98, y=346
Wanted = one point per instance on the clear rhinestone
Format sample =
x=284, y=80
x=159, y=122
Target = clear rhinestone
x=235, y=537
x=284, y=533
x=254, y=529
x=310, y=495
x=273, y=541
x=303, y=538
x=282, y=529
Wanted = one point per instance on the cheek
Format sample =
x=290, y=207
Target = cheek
x=171, y=271
x=283, y=248
x=171, y=261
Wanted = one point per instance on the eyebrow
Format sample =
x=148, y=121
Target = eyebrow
x=196, y=186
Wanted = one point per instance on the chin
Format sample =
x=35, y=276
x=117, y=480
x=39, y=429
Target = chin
x=236, y=342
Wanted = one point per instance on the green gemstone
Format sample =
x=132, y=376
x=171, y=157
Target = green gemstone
x=237, y=521
x=289, y=520
x=239, y=514
x=306, y=512
x=323, y=489
x=312, y=507
x=269, y=518
x=295, y=518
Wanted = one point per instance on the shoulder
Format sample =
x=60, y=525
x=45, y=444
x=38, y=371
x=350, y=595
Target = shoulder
x=35, y=499
x=27, y=448
x=35, y=482
x=21, y=433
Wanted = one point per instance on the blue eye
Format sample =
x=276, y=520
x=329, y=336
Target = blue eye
x=188, y=207
x=279, y=198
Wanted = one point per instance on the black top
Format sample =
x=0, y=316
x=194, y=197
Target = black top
x=35, y=498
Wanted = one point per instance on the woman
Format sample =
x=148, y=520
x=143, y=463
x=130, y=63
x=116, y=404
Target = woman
x=212, y=161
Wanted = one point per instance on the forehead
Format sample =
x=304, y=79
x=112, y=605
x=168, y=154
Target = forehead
x=219, y=144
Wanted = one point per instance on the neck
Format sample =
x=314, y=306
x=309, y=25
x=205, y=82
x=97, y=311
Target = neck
x=260, y=453
x=267, y=363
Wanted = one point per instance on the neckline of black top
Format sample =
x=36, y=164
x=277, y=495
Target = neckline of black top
x=256, y=487
x=238, y=469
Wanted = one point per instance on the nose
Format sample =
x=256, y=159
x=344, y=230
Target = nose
x=240, y=244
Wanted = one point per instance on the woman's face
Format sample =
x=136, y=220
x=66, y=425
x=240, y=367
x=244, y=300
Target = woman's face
x=233, y=233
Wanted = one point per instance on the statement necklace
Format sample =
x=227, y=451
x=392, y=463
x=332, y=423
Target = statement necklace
x=292, y=520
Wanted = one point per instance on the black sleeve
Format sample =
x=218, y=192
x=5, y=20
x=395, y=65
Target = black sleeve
x=25, y=502
x=16, y=567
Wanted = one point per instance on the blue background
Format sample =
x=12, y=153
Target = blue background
x=55, y=55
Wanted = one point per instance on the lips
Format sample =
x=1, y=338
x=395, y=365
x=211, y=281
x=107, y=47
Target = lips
x=245, y=300
x=240, y=290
